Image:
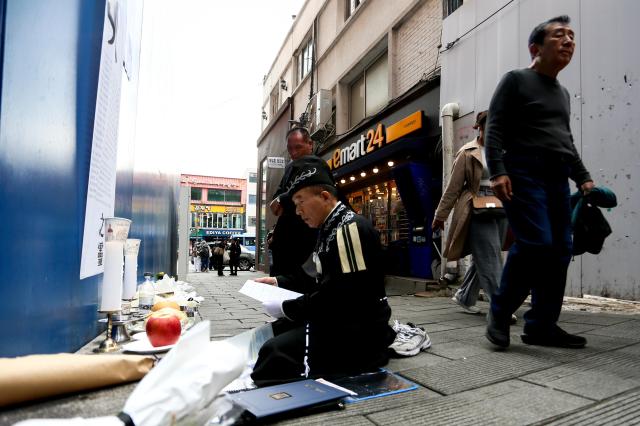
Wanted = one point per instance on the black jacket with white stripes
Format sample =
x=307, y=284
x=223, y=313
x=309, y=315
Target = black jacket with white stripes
x=346, y=304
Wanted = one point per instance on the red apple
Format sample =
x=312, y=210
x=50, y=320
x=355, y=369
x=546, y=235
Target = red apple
x=163, y=329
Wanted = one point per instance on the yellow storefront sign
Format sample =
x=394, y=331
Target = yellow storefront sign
x=202, y=208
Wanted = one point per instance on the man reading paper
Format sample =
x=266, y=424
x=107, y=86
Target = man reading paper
x=340, y=326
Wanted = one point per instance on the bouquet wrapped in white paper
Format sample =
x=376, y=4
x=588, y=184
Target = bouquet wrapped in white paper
x=185, y=381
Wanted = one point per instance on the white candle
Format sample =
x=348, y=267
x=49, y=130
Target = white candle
x=111, y=293
x=130, y=273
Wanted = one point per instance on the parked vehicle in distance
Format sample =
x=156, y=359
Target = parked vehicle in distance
x=247, y=240
x=247, y=257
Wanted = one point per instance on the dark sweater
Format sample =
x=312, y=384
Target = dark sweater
x=530, y=114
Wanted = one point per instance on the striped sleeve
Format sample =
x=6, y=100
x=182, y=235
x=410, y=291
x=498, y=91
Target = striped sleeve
x=350, y=249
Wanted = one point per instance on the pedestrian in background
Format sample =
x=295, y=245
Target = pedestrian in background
x=218, y=252
x=531, y=156
x=475, y=227
x=204, y=251
x=196, y=257
x=234, y=256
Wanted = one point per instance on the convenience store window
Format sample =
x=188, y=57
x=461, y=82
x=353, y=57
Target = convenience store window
x=381, y=203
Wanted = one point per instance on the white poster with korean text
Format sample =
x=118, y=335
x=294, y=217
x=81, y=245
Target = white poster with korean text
x=101, y=186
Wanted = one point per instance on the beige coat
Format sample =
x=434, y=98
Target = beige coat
x=463, y=184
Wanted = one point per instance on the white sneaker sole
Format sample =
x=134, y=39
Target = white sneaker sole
x=412, y=352
x=465, y=308
x=426, y=345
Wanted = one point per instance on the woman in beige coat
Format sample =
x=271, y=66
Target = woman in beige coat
x=475, y=233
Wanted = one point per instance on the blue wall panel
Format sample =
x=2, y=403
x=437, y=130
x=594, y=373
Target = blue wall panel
x=49, y=79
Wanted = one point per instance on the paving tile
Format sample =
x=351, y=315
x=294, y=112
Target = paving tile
x=104, y=402
x=509, y=403
x=441, y=337
x=423, y=360
x=595, y=345
x=340, y=421
x=597, y=377
x=476, y=371
x=595, y=319
x=432, y=328
x=577, y=327
x=620, y=410
x=461, y=349
x=627, y=329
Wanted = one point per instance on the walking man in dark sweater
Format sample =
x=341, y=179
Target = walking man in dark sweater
x=531, y=155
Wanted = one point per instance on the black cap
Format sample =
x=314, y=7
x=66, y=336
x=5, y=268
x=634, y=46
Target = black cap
x=307, y=171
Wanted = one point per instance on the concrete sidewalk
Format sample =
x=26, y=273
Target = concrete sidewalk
x=462, y=378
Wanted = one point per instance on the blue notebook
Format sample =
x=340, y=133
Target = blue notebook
x=274, y=400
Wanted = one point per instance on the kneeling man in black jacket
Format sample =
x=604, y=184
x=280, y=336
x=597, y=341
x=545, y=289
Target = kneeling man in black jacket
x=340, y=326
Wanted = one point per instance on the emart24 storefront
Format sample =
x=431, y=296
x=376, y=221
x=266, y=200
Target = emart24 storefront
x=390, y=168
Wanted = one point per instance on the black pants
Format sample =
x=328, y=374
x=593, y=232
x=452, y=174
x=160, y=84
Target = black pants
x=540, y=217
x=218, y=263
x=233, y=265
x=330, y=354
x=204, y=263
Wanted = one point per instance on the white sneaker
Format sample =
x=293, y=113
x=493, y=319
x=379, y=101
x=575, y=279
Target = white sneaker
x=468, y=309
x=409, y=339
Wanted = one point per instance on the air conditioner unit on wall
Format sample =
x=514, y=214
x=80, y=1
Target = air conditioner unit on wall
x=320, y=111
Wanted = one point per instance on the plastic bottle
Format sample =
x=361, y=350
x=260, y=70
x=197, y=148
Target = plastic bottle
x=146, y=293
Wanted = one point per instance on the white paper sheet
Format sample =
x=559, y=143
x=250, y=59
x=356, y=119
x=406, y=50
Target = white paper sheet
x=265, y=292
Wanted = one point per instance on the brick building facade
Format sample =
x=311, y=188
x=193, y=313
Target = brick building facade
x=346, y=68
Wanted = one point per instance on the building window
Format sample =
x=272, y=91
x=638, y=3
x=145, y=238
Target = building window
x=251, y=221
x=369, y=93
x=252, y=198
x=274, y=100
x=237, y=221
x=449, y=6
x=357, y=102
x=215, y=195
x=253, y=177
x=196, y=194
x=305, y=59
x=352, y=6
x=224, y=195
x=233, y=196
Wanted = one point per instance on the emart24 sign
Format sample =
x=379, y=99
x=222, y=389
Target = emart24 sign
x=374, y=139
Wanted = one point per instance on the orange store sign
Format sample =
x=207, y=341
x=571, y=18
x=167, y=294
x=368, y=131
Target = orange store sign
x=374, y=139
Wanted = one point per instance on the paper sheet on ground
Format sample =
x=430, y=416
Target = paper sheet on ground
x=266, y=292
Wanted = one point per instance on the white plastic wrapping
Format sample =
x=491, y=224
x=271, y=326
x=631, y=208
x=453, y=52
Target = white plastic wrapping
x=187, y=379
x=78, y=421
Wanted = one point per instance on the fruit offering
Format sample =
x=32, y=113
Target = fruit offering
x=163, y=327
